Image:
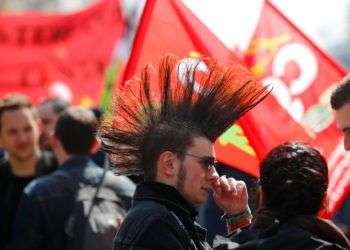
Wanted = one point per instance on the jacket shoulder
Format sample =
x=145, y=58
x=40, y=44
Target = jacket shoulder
x=54, y=184
x=146, y=217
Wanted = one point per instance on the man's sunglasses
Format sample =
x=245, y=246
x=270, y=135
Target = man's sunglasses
x=208, y=162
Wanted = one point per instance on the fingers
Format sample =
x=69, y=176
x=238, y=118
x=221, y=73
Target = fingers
x=241, y=188
x=230, y=185
x=230, y=195
x=216, y=186
x=222, y=184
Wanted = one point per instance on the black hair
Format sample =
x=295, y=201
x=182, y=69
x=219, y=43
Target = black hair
x=150, y=117
x=341, y=95
x=76, y=130
x=294, y=180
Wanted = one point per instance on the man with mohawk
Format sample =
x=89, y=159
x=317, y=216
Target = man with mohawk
x=165, y=129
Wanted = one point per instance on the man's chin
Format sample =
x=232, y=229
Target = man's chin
x=24, y=157
x=202, y=199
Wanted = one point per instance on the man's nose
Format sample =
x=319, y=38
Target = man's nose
x=22, y=137
x=212, y=174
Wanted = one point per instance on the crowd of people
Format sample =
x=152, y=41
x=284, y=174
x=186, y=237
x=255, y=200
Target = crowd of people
x=59, y=192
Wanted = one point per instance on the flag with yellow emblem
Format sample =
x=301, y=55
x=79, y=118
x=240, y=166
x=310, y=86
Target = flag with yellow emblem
x=170, y=27
x=303, y=78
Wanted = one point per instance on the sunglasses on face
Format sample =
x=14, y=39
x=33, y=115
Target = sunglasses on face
x=208, y=162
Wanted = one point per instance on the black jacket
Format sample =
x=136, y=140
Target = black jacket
x=11, y=188
x=48, y=201
x=160, y=219
x=286, y=238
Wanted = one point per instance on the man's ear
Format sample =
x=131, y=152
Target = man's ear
x=167, y=164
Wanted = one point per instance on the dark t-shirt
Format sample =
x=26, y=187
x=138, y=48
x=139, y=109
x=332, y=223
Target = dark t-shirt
x=11, y=188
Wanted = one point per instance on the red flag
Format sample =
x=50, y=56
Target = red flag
x=303, y=77
x=49, y=55
x=170, y=27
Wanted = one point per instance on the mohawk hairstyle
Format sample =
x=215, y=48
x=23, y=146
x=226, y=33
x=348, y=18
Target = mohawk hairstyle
x=150, y=117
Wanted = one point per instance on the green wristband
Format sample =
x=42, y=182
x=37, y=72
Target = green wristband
x=233, y=218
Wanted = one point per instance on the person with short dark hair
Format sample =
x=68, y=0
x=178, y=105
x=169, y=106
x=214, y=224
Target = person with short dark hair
x=23, y=160
x=48, y=111
x=293, y=188
x=76, y=130
x=340, y=102
x=164, y=128
x=47, y=202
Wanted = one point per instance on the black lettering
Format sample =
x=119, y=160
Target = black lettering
x=59, y=34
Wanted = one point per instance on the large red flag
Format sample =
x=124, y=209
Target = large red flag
x=303, y=77
x=66, y=55
x=170, y=27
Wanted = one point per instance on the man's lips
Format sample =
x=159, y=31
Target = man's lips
x=22, y=147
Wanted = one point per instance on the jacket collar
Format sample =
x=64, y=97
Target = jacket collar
x=75, y=162
x=166, y=195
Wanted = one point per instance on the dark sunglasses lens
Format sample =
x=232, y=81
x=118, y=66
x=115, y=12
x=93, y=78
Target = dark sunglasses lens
x=209, y=162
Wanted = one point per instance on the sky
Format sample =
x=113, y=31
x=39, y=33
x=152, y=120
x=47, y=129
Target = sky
x=324, y=21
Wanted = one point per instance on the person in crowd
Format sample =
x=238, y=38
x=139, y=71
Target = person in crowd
x=293, y=188
x=49, y=110
x=340, y=103
x=23, y=160
x=166, y=130
x=47, y=202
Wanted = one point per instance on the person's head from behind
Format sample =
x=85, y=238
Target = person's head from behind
x=340, y=102
x=294, y=180
x=75, y=131
x=49, y=111
x=19, y=132
x=165, y=127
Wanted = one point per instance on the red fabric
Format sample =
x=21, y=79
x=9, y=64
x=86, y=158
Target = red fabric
x=303, y=78
x=169, y=27
x=38, y=50
x=244, y=222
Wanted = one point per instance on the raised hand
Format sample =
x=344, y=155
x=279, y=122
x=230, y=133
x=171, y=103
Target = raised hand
x=230, y=195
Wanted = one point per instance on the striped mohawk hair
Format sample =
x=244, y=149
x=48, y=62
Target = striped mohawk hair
x=152, y=116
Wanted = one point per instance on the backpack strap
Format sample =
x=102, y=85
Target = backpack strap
x=93, y=203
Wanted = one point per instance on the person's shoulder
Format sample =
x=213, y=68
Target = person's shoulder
x=288, y=239
x=146, y=214
x=145, y=223
x=52, y=184
x=38, y=186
